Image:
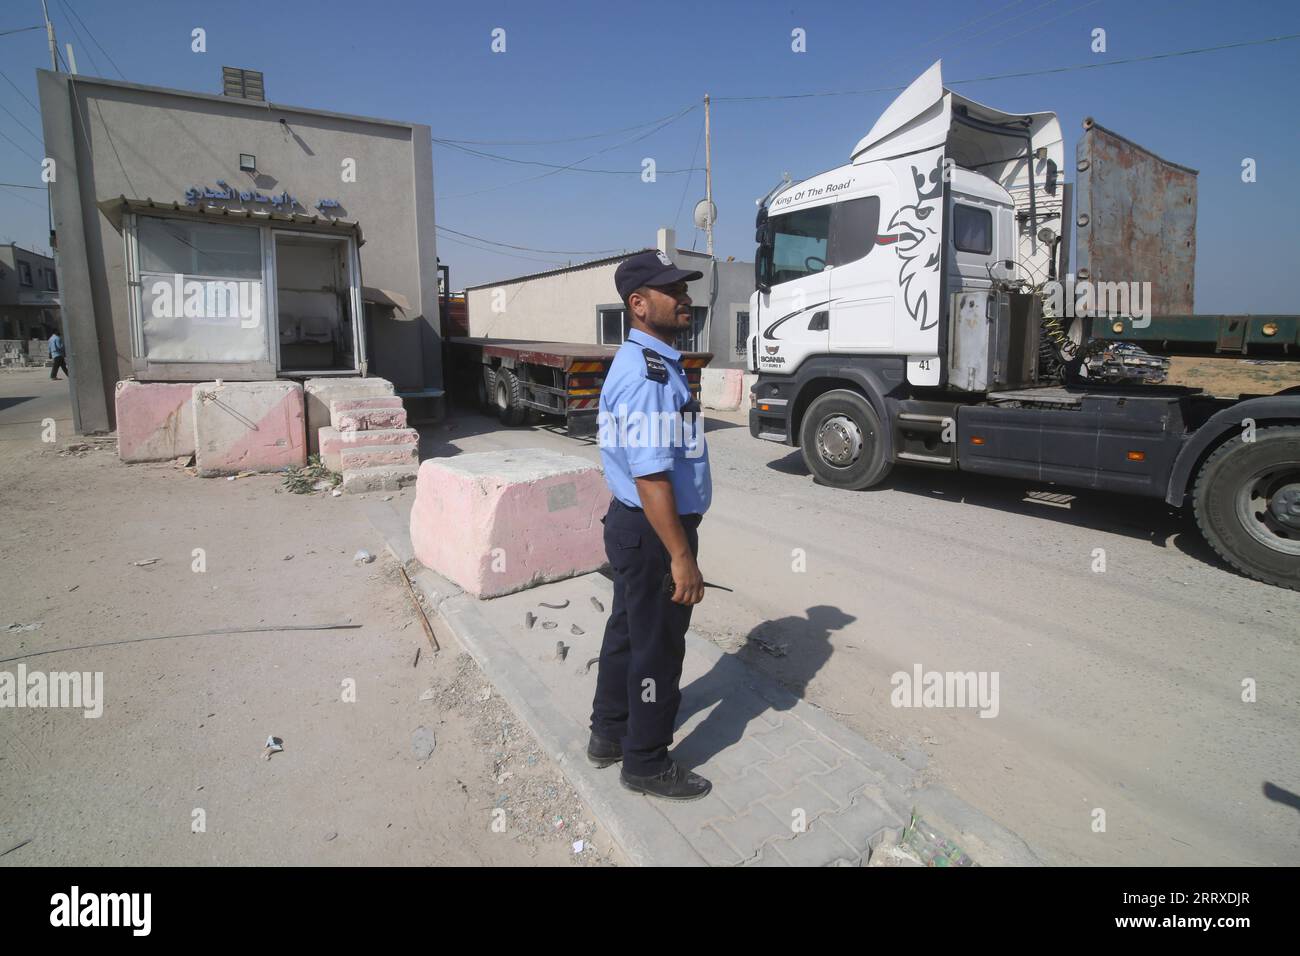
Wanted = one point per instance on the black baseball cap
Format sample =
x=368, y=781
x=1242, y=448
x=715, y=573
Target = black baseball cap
x=652, y=268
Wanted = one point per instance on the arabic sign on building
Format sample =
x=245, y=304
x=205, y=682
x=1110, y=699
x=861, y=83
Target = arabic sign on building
x=227, y=193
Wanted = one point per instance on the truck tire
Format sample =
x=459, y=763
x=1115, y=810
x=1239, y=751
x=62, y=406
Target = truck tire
x=1247, y=504
x=487, y=387
x=510, y=410
x=842, y=441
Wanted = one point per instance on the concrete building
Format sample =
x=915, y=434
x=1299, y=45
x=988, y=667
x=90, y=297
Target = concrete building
x=203, y=236
x=29, y=304
x=580, y=304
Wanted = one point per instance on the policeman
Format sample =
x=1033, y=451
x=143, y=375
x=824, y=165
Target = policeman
x=657, y=468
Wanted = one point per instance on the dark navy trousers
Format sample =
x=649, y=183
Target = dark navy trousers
x=638, y=685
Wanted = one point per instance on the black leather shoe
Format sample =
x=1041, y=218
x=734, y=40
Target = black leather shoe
x=602, y=753
x=675, y=783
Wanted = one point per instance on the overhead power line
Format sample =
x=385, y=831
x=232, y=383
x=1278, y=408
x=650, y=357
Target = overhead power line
x=68, y=6
x=1027, y=73
x=18, y=89
x=553, y=252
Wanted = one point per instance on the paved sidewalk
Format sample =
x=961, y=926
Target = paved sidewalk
x=775, y=761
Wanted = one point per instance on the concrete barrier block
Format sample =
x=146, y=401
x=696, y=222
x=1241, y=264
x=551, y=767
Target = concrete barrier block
x=353, y=457
x=720, y=388
x=378, y=478
x=155, y=420
x=333, y=441
x=339, y=407
x=368, y=419
x=498, y=522
x=319, y=392
x=248, y=426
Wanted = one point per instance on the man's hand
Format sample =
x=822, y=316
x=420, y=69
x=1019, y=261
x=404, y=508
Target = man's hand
x=660, y=506
x=687, y=580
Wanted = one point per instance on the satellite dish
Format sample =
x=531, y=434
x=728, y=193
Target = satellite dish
x=706, y=214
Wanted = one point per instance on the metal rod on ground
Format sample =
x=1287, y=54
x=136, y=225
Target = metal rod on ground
x=424, y=618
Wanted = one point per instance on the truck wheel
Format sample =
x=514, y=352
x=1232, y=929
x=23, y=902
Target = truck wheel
x=508, y=394
x=486, y=389
x=1247, y=503
x=842, y=441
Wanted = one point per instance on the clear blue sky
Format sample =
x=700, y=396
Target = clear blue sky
x=575, y=69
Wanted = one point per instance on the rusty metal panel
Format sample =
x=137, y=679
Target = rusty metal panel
x=1136, y=219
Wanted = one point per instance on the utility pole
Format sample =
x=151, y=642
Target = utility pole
x=708, y=180
x=49, y=35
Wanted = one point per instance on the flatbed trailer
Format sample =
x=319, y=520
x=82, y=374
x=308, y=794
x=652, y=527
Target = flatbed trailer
x=520, y=378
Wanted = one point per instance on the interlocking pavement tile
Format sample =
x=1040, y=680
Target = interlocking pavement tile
x=740, y=756
x=794, y=768
x=768, y=857
x=748, y=831
x=823, y=751
x=743, y=791
x=783, y=736
x=691, y=816
x=819, y=846
x=806, y=797
x=845, y=780
x=714, y=849
x=866, y=817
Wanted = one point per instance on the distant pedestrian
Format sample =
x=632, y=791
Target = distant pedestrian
x=56, y=356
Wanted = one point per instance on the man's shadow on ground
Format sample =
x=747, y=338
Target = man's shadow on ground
x=807, y=646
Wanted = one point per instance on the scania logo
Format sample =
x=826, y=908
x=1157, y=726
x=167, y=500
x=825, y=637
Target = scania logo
x=771, y=349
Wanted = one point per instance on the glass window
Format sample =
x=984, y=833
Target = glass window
x=972, y=229
x=854, y=226
x=742, y=332
x=51, y=280
x=25, y=273
x=799, y=241
x=691, y=339
x=201, y=292
x=613, y=326
x=199, y=248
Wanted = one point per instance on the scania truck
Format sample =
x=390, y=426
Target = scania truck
x=918, y=306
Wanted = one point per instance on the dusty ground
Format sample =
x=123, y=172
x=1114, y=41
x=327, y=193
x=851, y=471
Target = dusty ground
x=185, y=720
x=1230, y=377
x=1120, y=690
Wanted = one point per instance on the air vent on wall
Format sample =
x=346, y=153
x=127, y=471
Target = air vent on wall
x=245, y=84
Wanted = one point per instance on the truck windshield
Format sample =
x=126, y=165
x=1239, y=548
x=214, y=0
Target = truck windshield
x=799, y=241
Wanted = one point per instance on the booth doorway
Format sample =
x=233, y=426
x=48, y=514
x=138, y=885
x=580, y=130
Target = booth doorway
x=316, y=294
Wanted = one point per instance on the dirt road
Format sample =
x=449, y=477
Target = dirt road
x=184, y=721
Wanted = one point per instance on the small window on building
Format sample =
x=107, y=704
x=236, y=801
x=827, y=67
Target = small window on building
x=972, y=229
x=742, y=332
x=51, y=280
x=613, y=326
x=692, y=339
x=25, y=274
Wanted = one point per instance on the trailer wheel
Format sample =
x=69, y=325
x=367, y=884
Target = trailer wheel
x=486, y=391
x=842, y=441
x=1247, y=504
x=510, y=410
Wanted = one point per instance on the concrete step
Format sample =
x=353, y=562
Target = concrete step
x=353, y=457
x=352, y=407
x=379, y=478
x=332, y=442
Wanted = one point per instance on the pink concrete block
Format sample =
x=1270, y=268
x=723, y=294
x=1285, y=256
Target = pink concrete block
x=722, y=388
x=348, y=406
x=248, y=426
x=372, y=456
x=319, y=392
x=155, y=421
x=498, y=522
x=372, y=420
x=333, y=441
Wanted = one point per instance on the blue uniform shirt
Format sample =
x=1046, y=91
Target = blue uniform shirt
x=56, y=345
x=649, y=423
